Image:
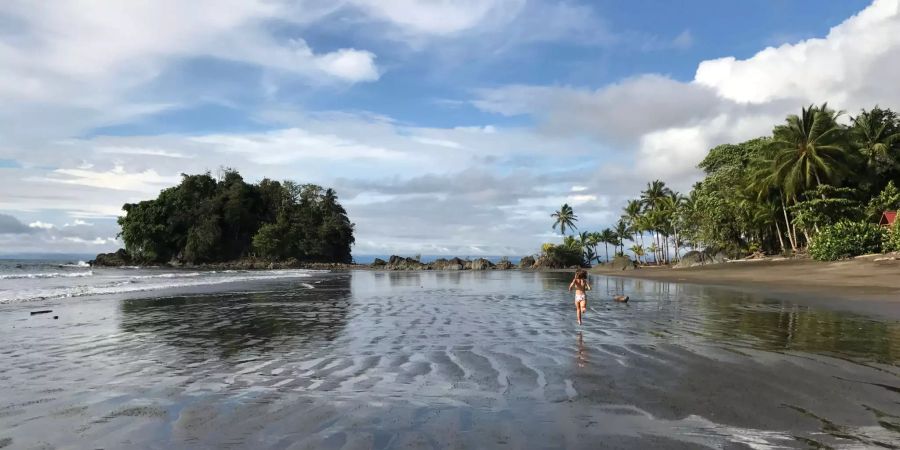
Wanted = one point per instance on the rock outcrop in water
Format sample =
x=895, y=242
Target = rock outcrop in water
x=400, y=263
x=116, y=259
x=526, y=262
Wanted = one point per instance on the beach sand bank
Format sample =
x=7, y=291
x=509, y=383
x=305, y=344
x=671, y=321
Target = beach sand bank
x=871, y=277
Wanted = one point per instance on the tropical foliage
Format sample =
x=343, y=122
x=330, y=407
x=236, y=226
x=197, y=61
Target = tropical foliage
x=845, y=239
x=777, y=193
x=208, y=220
x=564, y=218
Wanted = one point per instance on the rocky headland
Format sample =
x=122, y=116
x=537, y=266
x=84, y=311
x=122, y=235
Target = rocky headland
x=121, y=258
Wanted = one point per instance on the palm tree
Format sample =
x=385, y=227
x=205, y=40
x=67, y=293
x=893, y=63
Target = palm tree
x=653, y=249
x=621, y=233
x=632, y=213
x=655, y=191
x=876, y=136
x=565, y=218
x=607, y=236
x=638, y=251
x=586, y=240
x=807, y=151
x=651, y=198
x=596, y=239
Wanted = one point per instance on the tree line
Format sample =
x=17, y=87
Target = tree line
x=204, y=219
x=817, y=184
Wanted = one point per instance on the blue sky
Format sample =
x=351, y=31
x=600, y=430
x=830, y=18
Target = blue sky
x=451, y=126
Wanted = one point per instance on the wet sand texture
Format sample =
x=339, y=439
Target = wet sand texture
x=441, y=360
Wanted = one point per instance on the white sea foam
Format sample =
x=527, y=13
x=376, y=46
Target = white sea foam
x=169, y=275
x=19, y=276
x=141, y=283
x=78, y=264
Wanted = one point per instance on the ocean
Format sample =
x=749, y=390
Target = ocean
x=24, y=280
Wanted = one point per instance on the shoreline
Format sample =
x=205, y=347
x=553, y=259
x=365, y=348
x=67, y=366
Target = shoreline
x=870, y=277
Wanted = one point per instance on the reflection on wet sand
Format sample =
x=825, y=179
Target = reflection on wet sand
x=449, y=360
x=581, y=353
x=232, y=324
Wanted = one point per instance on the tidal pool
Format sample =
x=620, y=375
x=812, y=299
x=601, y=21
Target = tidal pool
x=494, y=359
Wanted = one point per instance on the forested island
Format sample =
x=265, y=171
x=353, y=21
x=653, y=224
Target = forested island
x=206, y=220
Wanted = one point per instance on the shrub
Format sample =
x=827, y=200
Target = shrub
x=845, y=239
x=892, y=239
x=562, y=255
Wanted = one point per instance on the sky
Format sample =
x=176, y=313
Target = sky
x=446, y=126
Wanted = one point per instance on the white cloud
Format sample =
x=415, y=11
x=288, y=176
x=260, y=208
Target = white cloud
x=94, y=241
x=78, y=223
x=437, y=142
x=117, y=178
x=74, y=65
x=850, y=67
x=667, y=126
x=295, y=144
x=437, y=17
x=138, y=151
x=41, y=225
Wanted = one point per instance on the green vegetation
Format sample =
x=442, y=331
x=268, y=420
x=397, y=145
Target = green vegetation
x=205, y=220
x=817, y=183
x=892, y=239
x=564, y=218
x=845, y=239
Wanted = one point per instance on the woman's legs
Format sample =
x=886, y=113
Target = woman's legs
x=578, y=312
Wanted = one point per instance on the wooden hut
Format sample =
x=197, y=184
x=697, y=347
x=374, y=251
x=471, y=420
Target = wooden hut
x=888, y=218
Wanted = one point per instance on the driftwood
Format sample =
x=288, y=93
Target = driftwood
x=620, y=298
x=43, y=311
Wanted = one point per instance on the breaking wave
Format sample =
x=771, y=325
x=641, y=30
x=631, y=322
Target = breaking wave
x=141, y=283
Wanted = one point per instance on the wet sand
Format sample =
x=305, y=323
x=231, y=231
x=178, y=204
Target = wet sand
x=447, y=360
x=862, y=278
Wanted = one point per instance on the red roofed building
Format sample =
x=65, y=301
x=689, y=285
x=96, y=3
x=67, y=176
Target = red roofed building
x=888, y=218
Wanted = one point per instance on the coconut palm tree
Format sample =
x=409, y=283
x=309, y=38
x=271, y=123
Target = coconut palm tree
x=638, y=251
x=564, y=218
x=876, y=135
x=607, y=236
x=808, y=151
x=655, y=191
x=632, y=212
x=621, y=234
x=586, y=239
x=653, y=249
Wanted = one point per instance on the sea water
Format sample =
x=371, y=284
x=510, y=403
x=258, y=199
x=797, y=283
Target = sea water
x=31, y=280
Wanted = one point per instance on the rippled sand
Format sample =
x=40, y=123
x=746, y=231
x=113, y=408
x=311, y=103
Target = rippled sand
x=446, y=360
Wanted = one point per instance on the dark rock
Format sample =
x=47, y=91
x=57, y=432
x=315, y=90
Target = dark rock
x=696, y=258
x=620, y=262
x=447, y=264
x=55, y=317
x=378, y=262
x=400, y=263
x=117, y=259
x=482, y=264
x=526, y=262
x=543, y=262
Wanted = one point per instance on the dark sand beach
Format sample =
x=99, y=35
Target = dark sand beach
x=874, y=278
x=376, y=360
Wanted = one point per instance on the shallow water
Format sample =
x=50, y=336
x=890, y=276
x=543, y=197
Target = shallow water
x=446, y=360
